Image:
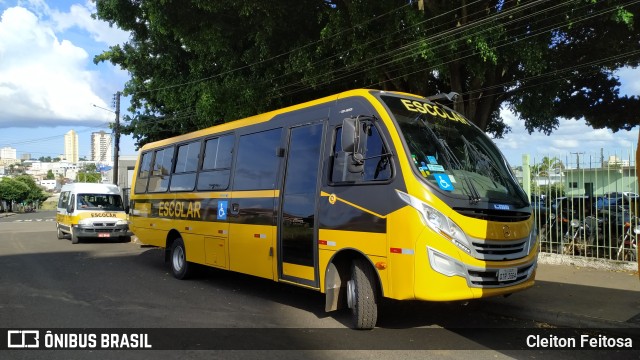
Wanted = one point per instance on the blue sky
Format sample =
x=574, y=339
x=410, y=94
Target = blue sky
x=49, y=84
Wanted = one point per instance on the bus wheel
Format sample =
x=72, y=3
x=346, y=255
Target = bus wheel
x=362, y=295
x=74, y=237
x=180, y=267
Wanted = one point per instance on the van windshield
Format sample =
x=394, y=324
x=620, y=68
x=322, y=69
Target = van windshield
x=100, y=202
x=454, y=155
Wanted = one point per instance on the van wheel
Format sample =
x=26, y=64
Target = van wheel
x=60, y=233
x=180, y=267
x=74, y=238
x=362, y=295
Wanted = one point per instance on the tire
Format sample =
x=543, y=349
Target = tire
x=74, y=238
x=362, y=295
x=60, y=233
x=180, y=267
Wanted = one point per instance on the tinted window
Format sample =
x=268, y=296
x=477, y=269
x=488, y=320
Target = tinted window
x=257, y=161
x=184, y=177
x=187, y=159
x=143, y=174
x=216, y=164
x=376, y=166
x=159, y=179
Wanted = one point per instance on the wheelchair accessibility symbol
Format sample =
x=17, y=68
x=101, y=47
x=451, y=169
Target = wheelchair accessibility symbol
x=222, y=210
x=443, y=182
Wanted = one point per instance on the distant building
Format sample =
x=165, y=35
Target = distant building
x=8, y=153
x=101, y=147
x=25, y=156
x=71, y=147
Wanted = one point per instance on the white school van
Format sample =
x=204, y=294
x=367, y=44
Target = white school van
x=88, y=210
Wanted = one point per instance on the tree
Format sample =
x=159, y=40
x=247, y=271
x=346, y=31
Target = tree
x=13, y=191
x=50, y=175
x=35, y=194
x=546, y=165
x=89, y=173
x=195, y=63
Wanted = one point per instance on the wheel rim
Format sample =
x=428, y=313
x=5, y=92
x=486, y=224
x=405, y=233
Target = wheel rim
x=351, y=294
x=178, y=258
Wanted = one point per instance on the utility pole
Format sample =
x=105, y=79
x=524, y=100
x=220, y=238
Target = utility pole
x=116, y=133
x=577, y=159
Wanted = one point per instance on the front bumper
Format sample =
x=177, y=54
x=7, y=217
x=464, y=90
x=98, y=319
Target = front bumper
x=88, y=231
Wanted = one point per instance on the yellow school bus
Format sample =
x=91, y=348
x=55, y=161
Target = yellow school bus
x=361, y=195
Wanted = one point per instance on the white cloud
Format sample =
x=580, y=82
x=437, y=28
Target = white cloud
x=630, y=81
x=45, y=79
x=80, y=16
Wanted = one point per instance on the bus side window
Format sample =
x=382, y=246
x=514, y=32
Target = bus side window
x=159, y=179
x=257, y=162
x=184, y=174
x=377, y=164
x=143, y=175
x=216, y=164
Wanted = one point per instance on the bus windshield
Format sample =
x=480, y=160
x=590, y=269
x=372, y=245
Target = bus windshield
x=454, y=155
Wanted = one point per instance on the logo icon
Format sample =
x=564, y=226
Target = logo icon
x=222, y=210
x=22, y=339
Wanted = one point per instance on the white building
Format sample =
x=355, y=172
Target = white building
x=71, y=153
x=8, y=153
x=101, y=147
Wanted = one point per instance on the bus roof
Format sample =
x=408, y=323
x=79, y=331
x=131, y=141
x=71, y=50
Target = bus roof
x=91, y=188
x=260, y=118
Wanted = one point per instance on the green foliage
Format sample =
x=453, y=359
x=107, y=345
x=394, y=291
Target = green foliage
x=194, y=63
x=50, y=175
x=35, y=193
x=13, y=190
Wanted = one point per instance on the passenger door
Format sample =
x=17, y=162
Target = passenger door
x=298, y=228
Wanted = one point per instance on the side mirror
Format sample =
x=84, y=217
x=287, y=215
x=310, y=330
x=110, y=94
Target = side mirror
x=350, y=135
x=351, y=144
x=70, y=208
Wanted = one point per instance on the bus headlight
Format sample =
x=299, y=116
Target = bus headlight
x=121, y=222
x=85, y=222
x=438, y=222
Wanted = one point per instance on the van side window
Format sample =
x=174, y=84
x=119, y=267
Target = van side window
x=216, y=164
x=377, y=166
x=143, y=175
x=160, y=171
x=63, y=200
x=184, y=174
x=257, y=163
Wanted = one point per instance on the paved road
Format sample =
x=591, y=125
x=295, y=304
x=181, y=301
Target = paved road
x=52, y=284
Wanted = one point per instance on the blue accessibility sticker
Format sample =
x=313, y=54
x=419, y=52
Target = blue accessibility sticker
x=443, y=182
x=222, y=210
x=432, y=160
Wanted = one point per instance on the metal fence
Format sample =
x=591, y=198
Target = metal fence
x=585, y=208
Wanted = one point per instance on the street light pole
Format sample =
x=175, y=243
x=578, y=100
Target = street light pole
x=116, y=147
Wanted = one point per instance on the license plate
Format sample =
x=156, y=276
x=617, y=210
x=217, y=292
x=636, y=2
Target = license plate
x=104, y=235
x=507, y=274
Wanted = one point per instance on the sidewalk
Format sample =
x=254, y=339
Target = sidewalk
x=575, y=296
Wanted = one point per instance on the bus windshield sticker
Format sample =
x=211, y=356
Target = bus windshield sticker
x=434, y=110
x=443, y=181
x=222, y=210
x=432, y=160
x=432, y=167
